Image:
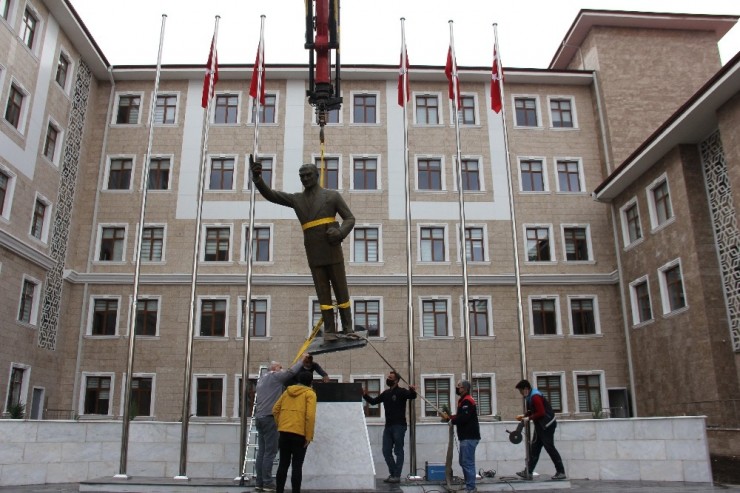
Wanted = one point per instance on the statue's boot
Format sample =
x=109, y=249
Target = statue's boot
x=345, y=315
x=330, y=330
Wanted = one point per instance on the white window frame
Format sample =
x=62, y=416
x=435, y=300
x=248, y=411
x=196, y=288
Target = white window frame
x=381, y=379
x=489, y=313
x=202, y=253
x=23, y=397
x=237, y=385
x=551, y=237
x=652, y=208
x=486, y=244
x=124, y=380
x=597, y=319
x=573, y=113
x=164, y=244
x=277, y=107
x=99, y=237
x=147, y=297
x=215, y=297
x=377, y=226
x=442, y=169
x=476, y=110
x=481, y=172
x=558, y=320
x=446, y=259
x=194, y=396
x=35, y=50
x=5, y=217
x=23, y=118
x=70, y=71
x=625, y=225
x=563, y=386
x=234, y=179
x=538, y=109
x=545, y=174
x=248, y=172
x=240, y=317
x=604, y=394
x=422, y=390
x=440, y=101
x=239, y=96
x=58, y=143
x=587, y=227
x=35, y=303
x=243, y=250
x=177, y=109
x=118, y=96
x=664, y=298
x=10, y=21
x=106, y=179
x=378, y=160
x=494, y=399
x=634, y=305
x=340, y=120
x=381, y=312
x=448, y=300
x=316, y=157
x=91, y=312
x=145, y=178
x=352, y=95
x=581, y=174
x=83, y=383
x=47, y=220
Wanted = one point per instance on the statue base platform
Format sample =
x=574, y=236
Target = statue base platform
x=343, y=343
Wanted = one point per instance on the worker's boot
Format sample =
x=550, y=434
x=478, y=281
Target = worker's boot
x=345, y=314
x=330, y=330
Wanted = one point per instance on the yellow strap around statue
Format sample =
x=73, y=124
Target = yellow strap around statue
x=308, y=341
x=317, y=222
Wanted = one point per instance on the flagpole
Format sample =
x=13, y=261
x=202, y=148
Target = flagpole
x=409, y=260
x=247, y=312
x=137, y=268
x=191, y=314
x=461, y=204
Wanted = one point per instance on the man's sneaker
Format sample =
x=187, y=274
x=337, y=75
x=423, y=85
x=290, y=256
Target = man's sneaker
x=394, y=479
x=269, y=487
x=524, y=474
x=559, y=476
x=389, y=479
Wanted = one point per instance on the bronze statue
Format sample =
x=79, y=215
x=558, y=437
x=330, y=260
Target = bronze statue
x=316, y=208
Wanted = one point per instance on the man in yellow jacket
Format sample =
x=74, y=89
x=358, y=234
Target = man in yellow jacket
x=295, y=415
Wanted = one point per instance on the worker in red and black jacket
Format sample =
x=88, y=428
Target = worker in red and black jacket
x=468, y=431
x=541, y=414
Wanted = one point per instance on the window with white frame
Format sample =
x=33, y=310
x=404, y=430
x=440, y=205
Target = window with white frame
x=483, y=391
x=437, y=394
x=16, y=107
x=545, y=315
x=371, y=385
x=28, y=306
x=53, y=142
x=41, y=219
x=63, y=70
x=367, y=313
x=217, y=244
x=261, y=244
x=590, y=395
x=141, y=399
x=526, y=111
x=268, y=168
x=111, y=243
x=97, y=393
x=160, y=170
x=552, y=387
x=7, y=187
x=365, y=173
x=539, y=244
x=532, y=175
x=576, y=243
x=147, y=317
x=429, y=174
x=584, y=315
x=427, y=109
x=268, y=111
x=222, y=173
x=642, y=310
x=479, y=313
x=128, y=109
x=570, y=175
x=103, y=319
x=562, y=112
x=475, y=244
x=432, y=244
x=226, y=109
x=5, y=9
x=435, y=317
x=659, y=202
x=120, y=170
x=17, y=387
x=672, y=287
x=251, y=394
x=330, y=169
x=631, y=229
x=209, y=396
x=213, y=317
x=152, y=243
x=29, y=27
x=165, y=109
x=467, y=114
x=471, y=177
x=366, y=244
x=365, y=108
x=259, y=312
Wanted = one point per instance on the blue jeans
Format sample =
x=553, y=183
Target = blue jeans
x=467, y=462
x=393, y=437
x=267, y=446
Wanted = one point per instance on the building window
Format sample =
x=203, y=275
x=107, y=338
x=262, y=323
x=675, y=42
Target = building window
x=62, y=70
x=367, y=315
x=14, y=108
x=436, y=395
x=267, y=169
x=15, y=388
x=569, y=176
x=4, y=8
x=372, y=387
x=427, y=110
x=217, y=245
x=258, y=323
x=128, y=110
x=642, y=310
x=28, y=307
x=434, y=318
x=332, y=116
x=538, y=244
x=532, y=175
x=147, y=314
x=159, y=174
x=50, y=144
x=544, y=317
x=364, y=108
x=475, y=244
x=330, y=170
x=481, y=389
x=152, y=244
x=119, y=174
x=97, y=395
x=589, y=393
x=209, y=396
x=660, y=202
x=526, y=112
x=430, y=174
x=576, y=244
x=251, y=394
x=141, y=396
x=366, y=246
x=365, y=173
x=551, y=387
x=466, y=114
x=38, y=222
x=213, y=318
x=561, y=113
x=104, y=317
x=631, y=223
x=112, y=240
x=260, y=245
x=267, y=110
x=165, y=111
x=5, y=182
x=432, y=244
x=471, y=175
x=222, y=174
x=671, y=283
x=478, y=313
x=28, y=28
x=227, y=109
x=582, y=316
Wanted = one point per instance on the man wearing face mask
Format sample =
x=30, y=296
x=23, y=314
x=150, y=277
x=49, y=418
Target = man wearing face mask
x=468, y=431
x=394, y=402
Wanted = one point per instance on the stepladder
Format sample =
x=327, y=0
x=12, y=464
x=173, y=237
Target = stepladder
x=248, y=470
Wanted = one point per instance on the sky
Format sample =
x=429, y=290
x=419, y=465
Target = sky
x=529, y=31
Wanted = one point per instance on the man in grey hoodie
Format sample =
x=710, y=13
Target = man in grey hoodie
x=269, y=388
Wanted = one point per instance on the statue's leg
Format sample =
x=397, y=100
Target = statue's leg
x=323, y=292
x=341, y=293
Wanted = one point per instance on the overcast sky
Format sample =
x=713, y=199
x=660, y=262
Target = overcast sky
x=529, y=30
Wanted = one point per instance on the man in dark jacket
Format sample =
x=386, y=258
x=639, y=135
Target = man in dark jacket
x=394, y=402
x=468, y=431
x=541, y=414
x=310, y=366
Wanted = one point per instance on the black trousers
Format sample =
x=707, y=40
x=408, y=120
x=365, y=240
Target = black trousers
x=545, y=437
x=292, y=453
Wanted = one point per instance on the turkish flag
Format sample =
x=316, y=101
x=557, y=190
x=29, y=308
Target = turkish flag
x=257, y=77
x=496, y=76
x=451, y=73
x=209, y=81
x=403, y=69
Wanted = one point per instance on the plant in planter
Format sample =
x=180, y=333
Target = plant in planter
x=17, y=411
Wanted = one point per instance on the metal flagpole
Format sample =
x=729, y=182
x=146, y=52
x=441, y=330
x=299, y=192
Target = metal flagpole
x=247, y=311
x=191, y=314
x=409, y=260
x=461, y=204
x=137, y=268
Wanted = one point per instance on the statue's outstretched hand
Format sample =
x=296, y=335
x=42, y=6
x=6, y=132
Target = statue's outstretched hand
x=333, y=235
x=256, y=166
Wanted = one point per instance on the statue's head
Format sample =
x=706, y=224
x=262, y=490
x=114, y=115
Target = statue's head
x=309, y=174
